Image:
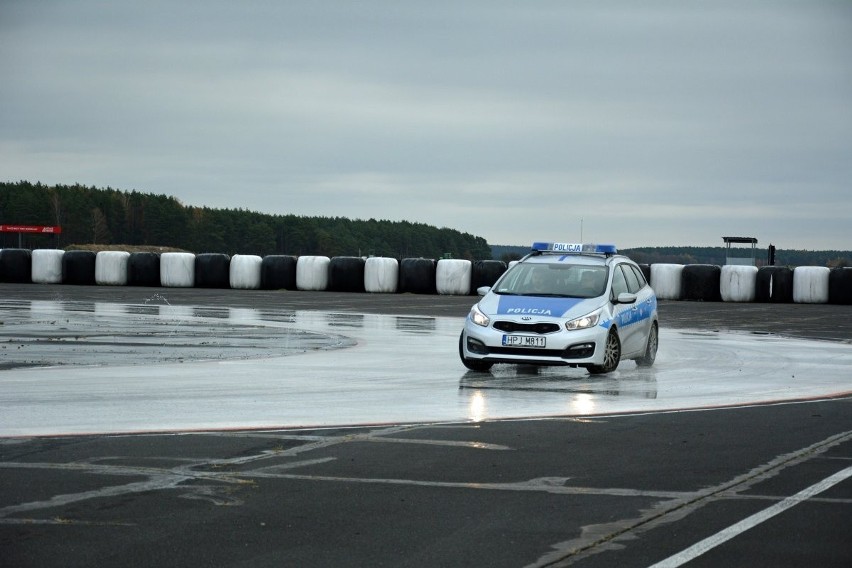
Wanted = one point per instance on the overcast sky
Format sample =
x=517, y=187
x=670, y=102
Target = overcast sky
x=655, y=123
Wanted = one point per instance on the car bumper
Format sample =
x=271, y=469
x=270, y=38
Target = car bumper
x=575, y=348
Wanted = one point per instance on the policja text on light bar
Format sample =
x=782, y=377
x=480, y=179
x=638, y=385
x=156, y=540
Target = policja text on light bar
x=574, y=248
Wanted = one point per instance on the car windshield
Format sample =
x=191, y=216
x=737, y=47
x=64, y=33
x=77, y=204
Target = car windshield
x=568, y=280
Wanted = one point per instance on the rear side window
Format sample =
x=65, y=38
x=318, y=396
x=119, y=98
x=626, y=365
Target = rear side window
x=619, y=284
x=633, y=285
x=639, y=274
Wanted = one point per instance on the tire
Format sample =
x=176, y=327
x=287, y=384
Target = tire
x=472, y=364
x=612, y=355
x=700, y=283
x=650, y=355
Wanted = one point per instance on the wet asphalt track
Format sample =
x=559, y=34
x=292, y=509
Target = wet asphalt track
x=588, y=490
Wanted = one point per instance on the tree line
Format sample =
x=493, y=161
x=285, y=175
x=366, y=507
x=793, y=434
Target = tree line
x=89, y=215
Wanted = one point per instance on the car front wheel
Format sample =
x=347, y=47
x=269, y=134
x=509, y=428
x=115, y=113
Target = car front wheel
x=612, y=355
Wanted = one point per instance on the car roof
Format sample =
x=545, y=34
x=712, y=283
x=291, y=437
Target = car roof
x=581, y=259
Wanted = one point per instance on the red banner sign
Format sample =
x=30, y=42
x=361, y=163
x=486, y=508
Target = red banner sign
x=30, y=229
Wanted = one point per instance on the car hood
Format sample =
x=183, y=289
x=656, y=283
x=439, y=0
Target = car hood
x=538, y=306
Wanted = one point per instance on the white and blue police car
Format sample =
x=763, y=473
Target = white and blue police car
x=581, y=305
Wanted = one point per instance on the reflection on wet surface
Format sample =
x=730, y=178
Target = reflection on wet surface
x=152, y=366
x=47, y=333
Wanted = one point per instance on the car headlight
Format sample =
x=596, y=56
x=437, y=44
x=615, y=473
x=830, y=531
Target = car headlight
x=478, y=317
x=585, y=322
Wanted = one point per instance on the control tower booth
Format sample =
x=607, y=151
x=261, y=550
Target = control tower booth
x=740, y=255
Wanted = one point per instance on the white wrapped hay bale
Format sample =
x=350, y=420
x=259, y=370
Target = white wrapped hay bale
x=47, y=266
x=810, y=284
x=111, y=268
x=453, y=276
x=245, y=272
x=738, y=283
x=666, y=280
x=381, y=275
x=177, y=270
x=312, y=272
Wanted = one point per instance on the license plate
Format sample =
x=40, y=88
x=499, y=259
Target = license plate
x=524, y=341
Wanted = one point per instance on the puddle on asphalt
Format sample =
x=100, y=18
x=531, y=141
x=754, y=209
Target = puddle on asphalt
x=45, y=333
x=352, y=369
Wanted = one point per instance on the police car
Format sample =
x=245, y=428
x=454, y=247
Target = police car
x=581, y=305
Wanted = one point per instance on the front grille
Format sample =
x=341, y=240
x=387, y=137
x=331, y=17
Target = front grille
x=514, y=327
x=525, y=351
x=576, y=351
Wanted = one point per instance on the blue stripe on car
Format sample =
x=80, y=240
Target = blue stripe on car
x=535, y=306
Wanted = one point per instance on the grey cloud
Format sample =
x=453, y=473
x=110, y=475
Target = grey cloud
x=657, y=123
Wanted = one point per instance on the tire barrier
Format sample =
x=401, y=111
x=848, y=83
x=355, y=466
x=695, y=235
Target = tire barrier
x=78, y=267
x=774, y=284
x=111, y=268
x=453, y=276
x=417, y=276
x=840, y=286
x=381, y=275
x=177, y=270
x=810, y=284
x=245, y=272
x=666, y=280
x=278, y=271
x=143, y=269
x=346, y=274
x=738, y=283
x=486, y=273
x=16, y=266
x=212, y=270
x=47, y=266
x=700, y=283
x=312, y=272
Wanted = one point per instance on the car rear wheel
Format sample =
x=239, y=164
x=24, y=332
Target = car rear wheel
x=472, y=364
x=650, y=355
x=612, y=355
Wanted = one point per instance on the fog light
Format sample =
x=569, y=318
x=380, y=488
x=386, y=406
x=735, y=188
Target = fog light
x=579, y=351
x=476, y=346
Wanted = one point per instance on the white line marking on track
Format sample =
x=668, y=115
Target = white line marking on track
x=723, y=536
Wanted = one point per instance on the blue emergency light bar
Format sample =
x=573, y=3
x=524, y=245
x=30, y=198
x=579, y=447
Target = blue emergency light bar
x=574, y=248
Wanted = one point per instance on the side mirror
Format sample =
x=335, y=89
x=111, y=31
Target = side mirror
x=626, y=298
x=482, y=290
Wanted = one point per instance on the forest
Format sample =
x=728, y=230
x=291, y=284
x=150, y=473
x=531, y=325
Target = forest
x=88, y=215
x=91, y=216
